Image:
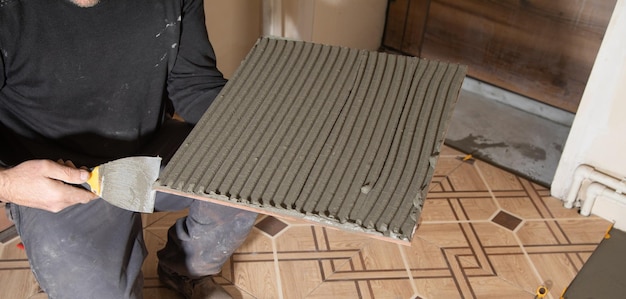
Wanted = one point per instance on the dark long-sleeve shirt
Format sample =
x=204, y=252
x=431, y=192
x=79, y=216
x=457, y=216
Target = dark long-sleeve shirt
x=92, y=84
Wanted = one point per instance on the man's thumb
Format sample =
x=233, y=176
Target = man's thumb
x=70, y=174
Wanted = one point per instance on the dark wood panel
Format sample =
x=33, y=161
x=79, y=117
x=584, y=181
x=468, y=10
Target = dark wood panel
x=395, y=24
x=542, y=49
x=406, y=23
x=415, y=26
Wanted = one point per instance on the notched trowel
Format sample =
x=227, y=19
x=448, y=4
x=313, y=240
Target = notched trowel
x=127, y=183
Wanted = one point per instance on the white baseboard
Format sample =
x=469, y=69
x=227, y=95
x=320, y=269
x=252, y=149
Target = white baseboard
x=610, y=210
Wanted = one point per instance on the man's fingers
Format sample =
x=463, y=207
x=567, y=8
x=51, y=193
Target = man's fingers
x=68, y=174
x=79, y=195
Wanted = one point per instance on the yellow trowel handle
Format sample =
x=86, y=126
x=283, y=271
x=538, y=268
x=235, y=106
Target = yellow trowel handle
x=94, y=181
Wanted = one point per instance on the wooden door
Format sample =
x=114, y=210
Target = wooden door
x=542, y=49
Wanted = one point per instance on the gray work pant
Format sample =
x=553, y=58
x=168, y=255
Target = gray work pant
x=96, y=250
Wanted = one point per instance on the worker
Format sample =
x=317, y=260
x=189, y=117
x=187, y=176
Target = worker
x=84, y=82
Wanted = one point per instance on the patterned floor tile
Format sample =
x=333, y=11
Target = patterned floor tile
x=259, y=279
x=480, y=208
x=519, y=206
x=483, y=233
x=516, y=269
x=507, y=220
x=555, y=268
x=18, y=282
x=271, y=225
x=496, y=288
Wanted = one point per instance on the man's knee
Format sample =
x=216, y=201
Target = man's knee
x=94, y=249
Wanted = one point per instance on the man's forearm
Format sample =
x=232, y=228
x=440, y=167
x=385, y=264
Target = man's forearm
x=2, y=182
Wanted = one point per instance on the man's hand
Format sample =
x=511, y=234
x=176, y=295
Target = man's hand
x=44, y=184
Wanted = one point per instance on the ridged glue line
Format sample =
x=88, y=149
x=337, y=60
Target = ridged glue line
x=415, y=136
x=351, y=133
x=410, y=69
x=247, y=106
x=415, y=182
x=283, y=142
x=336, y=117
x=272, y=144
x=418, y=70
x=360, y=137
x=386, y=100
x=406, y=226
x=172, y=172
x=202, y=152
x=318, y=189
x=412, y=106
x=252, y=150
x=298, y=133
x=312, y=151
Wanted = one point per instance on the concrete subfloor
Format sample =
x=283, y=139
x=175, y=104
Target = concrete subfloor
x=516, y=139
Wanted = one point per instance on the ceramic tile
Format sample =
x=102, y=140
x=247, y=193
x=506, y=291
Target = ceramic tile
x=438, y=209
x=589, y=230
x=339, y=290
x=7, y=235
x=446, y=165
x=537, y=199
x=556, y=268
x=258, y=279
x=437, y=186
x=332, y=239
x=154, y=239
x=481, y=208
x=162, y=219
x=557, y=210
x=392, y=288
x=256, y=242
x=4, y=221
x=516, y=269
x=521, y=207
x=424, y=259
x=491, y=235
x=10, y=251
x=18, y=283
x=438, y=288
x=459, y=250
x=466, y=178
x=304, y=275
x=297, y=238
x=496, y=288
x=442, y=234
x=382, y=256
x=507, y=220
x=271, y=225
x=537, y=233
x=498, y=179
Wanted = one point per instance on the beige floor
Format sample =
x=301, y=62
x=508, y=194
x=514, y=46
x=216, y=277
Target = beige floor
x=484, y=233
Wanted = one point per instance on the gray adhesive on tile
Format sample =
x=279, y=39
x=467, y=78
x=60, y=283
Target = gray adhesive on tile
x=344, y=137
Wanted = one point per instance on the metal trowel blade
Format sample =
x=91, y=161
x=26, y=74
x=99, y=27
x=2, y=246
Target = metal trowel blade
x=127, y=183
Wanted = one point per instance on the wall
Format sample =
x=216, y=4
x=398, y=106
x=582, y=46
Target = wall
x=351, y=23
x=234, y=26
x=598, y=134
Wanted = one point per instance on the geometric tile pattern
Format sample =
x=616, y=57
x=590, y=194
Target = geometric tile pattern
x=460, y=249
x=507, y=220
x=271, y=225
